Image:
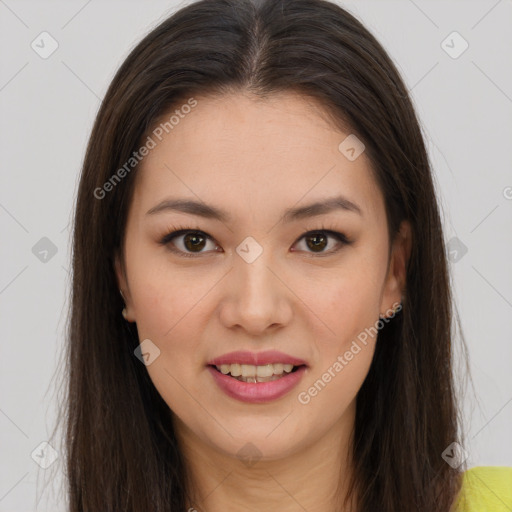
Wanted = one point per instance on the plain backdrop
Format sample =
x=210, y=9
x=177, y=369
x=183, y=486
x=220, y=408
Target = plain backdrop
x=463, y=97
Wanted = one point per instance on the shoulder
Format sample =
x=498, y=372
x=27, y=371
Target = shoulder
x=486, y=489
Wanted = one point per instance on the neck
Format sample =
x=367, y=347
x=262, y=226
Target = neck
x=313, y=478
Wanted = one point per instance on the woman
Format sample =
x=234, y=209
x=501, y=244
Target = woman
x=256, y=199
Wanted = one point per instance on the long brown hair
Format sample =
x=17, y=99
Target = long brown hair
x=121, y=451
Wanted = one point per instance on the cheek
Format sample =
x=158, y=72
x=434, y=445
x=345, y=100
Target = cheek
x=170, y=314
x=170, y=307
x=348, y=304
x=161, y=292
x=169, y=311
x=328, y=391
x=348, y=309
x=344, y=354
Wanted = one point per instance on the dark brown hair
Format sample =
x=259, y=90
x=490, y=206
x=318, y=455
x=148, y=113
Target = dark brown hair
x=121, y=451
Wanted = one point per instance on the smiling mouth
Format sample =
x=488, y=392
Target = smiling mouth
x=254, y=374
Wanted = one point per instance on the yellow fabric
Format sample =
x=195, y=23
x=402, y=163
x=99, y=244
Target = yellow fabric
x=486, y=489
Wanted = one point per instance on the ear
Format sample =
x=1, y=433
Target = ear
x=122, y=282
x=395, y=283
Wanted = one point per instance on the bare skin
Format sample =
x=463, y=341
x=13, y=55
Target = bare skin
x=254, y=159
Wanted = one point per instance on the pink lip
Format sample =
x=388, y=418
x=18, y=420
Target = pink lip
x=258, y=392
x=256, y=359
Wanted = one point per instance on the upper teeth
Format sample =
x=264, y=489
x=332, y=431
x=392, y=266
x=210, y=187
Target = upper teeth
x=249, y=370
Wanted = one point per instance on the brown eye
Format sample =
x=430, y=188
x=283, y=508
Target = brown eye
x=190, y=243
x=187, y=242
x=193, y=241
x=317, y=241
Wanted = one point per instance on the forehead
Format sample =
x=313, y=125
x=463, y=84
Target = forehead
x=253, y=155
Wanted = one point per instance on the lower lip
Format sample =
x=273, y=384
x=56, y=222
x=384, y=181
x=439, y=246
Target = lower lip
x=257, y=392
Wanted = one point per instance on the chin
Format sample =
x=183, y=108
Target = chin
x=265, y=442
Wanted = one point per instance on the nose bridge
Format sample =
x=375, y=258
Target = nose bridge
x=257, y=293
x=252, y=268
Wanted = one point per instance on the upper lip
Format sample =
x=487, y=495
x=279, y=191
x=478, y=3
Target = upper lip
x=256, y=358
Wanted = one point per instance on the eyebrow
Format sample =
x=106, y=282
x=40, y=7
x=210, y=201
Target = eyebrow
x=291, y=214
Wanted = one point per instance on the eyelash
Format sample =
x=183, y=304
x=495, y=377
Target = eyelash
x=176, y=231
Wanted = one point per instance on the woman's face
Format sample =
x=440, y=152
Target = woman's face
x=250, y=281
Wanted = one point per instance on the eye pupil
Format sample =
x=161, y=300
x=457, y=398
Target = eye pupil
x=317, y=245
x=193, y=238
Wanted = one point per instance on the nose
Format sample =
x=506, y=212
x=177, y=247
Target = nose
x=256, y=298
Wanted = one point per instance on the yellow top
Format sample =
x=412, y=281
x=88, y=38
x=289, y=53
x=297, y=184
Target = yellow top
x=486, y=489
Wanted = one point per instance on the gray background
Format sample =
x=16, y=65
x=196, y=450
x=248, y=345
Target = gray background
x=47, y=109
